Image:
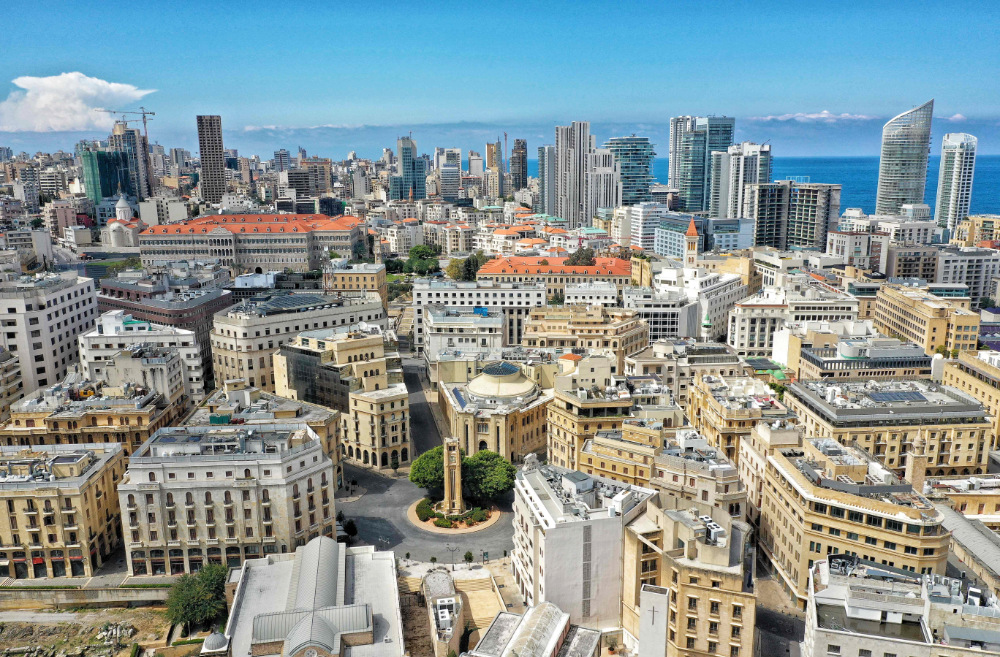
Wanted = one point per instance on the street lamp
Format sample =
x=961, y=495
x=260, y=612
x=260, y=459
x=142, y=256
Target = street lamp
x=452, y=549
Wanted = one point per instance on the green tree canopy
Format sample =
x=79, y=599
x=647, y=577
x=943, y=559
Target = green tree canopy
x=487, y=475
x=428, y=470
x=198, y=599
x=583, y=257
x=423, y=252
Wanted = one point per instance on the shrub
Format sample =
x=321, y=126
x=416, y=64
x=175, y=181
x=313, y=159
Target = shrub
x=187, y=642
x=439, y=515
x=456, y=518
x=443, y=522
x=479, y=515
x=424, y=510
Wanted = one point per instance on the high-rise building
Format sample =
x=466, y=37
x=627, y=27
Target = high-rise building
x=494, y=155
x=734, y=169
x=574, y=146
x=213, y=162
x=692, y=141
x=450, y=175
x=104, y=174
x=792, y=215
x=902, y=169
x=410, y=181
x=604, y=183
x=444, y=156
x=476, y=167
x=282, y=161
x=134, y=149
x=547, y=179
x=958, y=163
x=634, y=156
x=519, y=165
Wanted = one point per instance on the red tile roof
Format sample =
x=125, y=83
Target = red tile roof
x=257, y=223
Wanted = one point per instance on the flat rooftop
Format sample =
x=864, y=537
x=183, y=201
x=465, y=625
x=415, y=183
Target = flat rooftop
x=53, y=466
x=563, y=495
x=899, y=401
x=235, y=441
x=745, y=394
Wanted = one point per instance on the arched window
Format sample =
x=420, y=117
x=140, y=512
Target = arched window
x=208, y=497
x=152, y=476
x=170, y=498
x=246, y=473
x=266, y=496
x=131, y=499
x=228, y=497
x=189, y=498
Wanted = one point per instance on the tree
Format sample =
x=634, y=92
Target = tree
x=434, y=559
x=423, y=252
x=454, y=269
x=198, y=599
x=941, y=349
x=469, y=557
x=359, y=251
x=487, y=475
x=428, y=470
x=333, y=255
x=954, y=353
x=581, y=257
x=350, y=528
x=36, y=223
x=987, y=302
x=394, y=462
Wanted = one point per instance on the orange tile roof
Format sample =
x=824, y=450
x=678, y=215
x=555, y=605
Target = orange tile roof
x=532, y=265
x=257, y=223
x=571, y=357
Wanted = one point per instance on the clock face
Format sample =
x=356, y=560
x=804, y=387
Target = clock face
x=311, y=653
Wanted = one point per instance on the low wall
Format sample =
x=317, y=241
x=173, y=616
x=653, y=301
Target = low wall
x=24, y=597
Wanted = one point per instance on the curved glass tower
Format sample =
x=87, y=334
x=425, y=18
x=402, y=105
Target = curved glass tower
x=902, y=170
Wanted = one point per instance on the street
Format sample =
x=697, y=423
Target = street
x=424, y=433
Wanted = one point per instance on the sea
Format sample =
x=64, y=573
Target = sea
x=859, y=178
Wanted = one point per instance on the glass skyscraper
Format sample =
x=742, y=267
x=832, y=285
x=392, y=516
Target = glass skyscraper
x=634, y=156
x=410, y=181
x=954, y=193
x=902, y=169
x=103, y=172
x=692, y=141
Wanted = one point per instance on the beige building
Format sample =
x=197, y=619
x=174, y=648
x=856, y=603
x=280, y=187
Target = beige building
x=62, y=517
x=930, y=321
x=864, y=358
x=724, y=410
x=825, y=498
x=554, y=272
x=342, y=277
x=236, y=403
x=764, y=440
x=78, y=412
x=194, y=496
x=977, y=373
x=976, y=498
x=685, y=584
x=887, y=418
x=501, y=410
x=690, y=469
x=360, y=373
x=679, y=362
x=977, y=228
x=612, y=330
x=245, y=337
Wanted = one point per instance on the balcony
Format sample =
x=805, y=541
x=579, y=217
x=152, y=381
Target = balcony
x=228, y=504
x=269, y=539
x=266, y=502
x=31, y=512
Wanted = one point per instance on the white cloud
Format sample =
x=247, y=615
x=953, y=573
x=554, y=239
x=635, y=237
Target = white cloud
x=814, y=117
x=64, y=102
x=955, y=118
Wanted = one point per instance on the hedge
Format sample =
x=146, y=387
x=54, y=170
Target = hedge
x=443, y=522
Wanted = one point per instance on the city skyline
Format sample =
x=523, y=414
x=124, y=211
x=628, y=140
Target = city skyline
x=831, y=103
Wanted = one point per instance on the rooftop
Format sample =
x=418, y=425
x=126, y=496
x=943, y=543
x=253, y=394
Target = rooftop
x=282, y=302
x=77, y=394
x=53, y=466
x=898, y=401
x=745, y=394
x=271, y=440
x=234, y=404
x=539, y=632
x=560, y=495
x=531, y=265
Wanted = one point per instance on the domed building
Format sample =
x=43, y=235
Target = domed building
x=502, y=410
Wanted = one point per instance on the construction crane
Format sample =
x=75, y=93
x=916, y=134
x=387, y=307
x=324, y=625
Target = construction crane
x=142, y=112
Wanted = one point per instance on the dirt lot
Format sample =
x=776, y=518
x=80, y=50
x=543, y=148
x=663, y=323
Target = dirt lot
x=149, y=622
x=417, y=631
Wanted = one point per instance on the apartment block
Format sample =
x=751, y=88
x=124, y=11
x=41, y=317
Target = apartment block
x=195, y=496
x=236, y=403
x=62, y=517
x=11, y=383
x=41, y=318
x=515, y=300
x=765, y=439
x=342, y=277
x=892, y=418
x=824, y=499
x=358, y=372
x=687, y=581
x=677, y=363
x=466, y=331
x=610, y=330
x=245, y=337
x=568, y=530
x=865, y=358
x=117, y=331
x=78, y=412
x=724, y=410
x=977, y=373
x=554, y=272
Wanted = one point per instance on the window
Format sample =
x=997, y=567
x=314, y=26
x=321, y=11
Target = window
x=690, y=643
x=736, y=632
x=864, y=652
x=692, y=622
x=734, y=651
x=692, y=603
x=832, y=649
x=737, y=611
x=712, y=645
x=714, y=607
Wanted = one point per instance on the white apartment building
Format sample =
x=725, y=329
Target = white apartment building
x=194, y=496
x=116, y=330
x=687, y=302
x=515, y=300
x=643, y=220
x=568, y=538
x=592, y=293
x=754, y=320
x=41, y=317
x=732, y=170
x=969, y=265
x=465, y=331
x=912, y=227
x=954, y=192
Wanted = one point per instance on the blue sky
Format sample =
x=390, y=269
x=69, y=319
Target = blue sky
x=333, y=76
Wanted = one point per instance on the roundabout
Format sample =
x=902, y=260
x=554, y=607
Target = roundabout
x=428, y=526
